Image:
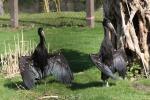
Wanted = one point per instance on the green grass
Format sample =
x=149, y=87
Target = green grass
x=76, y=44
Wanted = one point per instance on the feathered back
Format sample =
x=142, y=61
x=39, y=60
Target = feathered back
x=59, y=68
x=119, y=64
x=40, y=57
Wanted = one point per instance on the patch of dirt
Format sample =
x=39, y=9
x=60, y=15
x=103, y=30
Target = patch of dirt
x=141, y=87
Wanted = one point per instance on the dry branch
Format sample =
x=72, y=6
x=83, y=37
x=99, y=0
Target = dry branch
x=9, y=59
x=48, y=97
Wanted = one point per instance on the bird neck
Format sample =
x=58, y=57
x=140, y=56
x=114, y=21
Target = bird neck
x=42, y=41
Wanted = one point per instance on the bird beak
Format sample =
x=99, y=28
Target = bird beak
x=43, y=34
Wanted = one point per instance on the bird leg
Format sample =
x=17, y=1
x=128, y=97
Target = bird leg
x=106, y=84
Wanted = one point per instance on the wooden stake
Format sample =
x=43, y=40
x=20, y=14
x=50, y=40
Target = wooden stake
x=90, y=13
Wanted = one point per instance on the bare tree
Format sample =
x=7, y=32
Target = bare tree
x=14, y=13
x=131, y=21
x=1, y=7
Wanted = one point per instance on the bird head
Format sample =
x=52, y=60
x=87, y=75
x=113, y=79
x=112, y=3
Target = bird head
x=41, y=32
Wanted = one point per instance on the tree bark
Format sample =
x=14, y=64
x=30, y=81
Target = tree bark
x=131, y=21
x=14, y=13
x=44, y=6
x=1, y=8
x=57, y=4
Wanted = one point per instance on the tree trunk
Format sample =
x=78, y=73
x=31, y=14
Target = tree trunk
x=1, y=8
x=57, y=4
x=44, y=6
x=130, y=20
x=14, y=13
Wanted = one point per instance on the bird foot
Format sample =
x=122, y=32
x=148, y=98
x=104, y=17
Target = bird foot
x=106, y=84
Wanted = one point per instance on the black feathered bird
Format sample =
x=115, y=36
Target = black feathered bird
x=41, y=64
x=109, y=60
x=40, y=55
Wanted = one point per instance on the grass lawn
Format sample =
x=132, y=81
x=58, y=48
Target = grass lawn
x=77, y=43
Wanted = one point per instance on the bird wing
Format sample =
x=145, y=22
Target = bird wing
x=119, y=64
x=59, y=68
x=28, y=72
x=102, y=67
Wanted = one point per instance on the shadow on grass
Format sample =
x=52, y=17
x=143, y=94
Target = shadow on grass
x=14, y=85
x=26, y=23
x=57, y=22
x=20, y=85
x=78, y=61
x=76, y=86
x=54, y=22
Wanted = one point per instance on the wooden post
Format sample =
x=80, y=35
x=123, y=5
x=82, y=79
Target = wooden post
x=90, y=13
x=14, y=13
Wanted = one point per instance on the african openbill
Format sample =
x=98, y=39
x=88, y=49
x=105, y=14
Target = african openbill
x=41, y=64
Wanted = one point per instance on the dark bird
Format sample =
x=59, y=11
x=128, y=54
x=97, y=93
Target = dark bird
x=40, y=55
x=109, y=60
x=118, y=65
x=41, y=64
